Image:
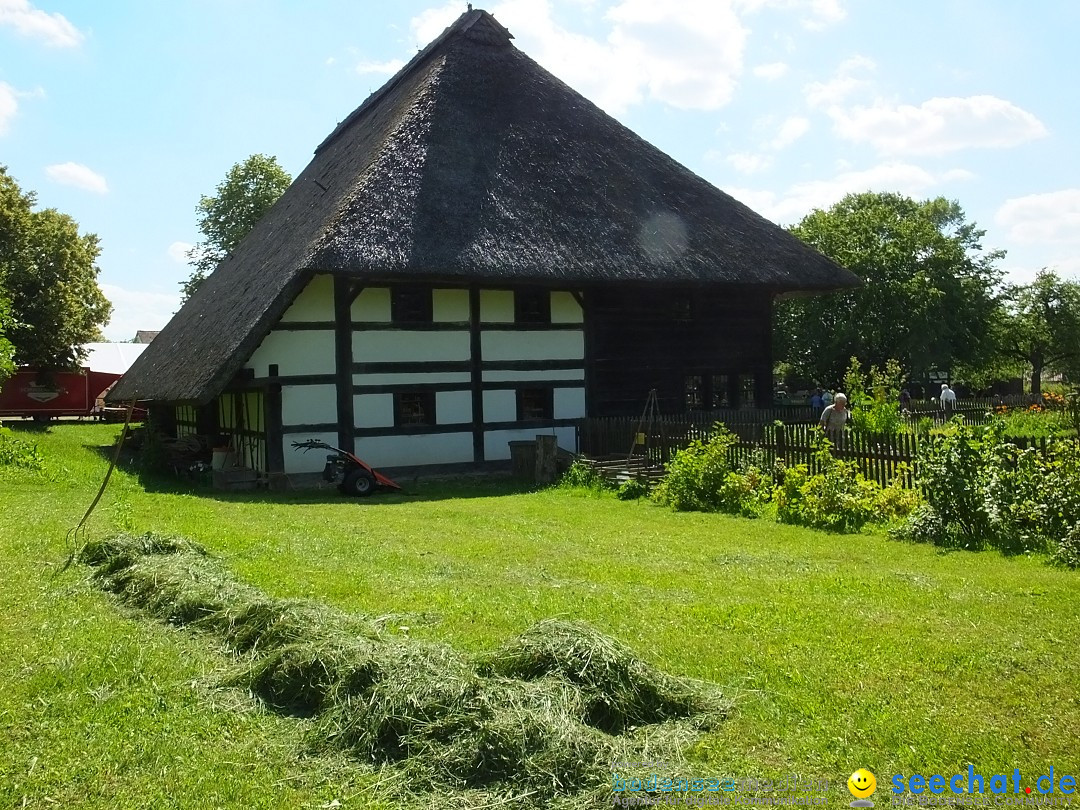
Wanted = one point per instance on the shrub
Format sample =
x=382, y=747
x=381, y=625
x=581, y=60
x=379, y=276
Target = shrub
x=581, y=476
x=875, y=402
x=700, y=478
x=837, y=499
x=983, y=490
x=18, y=453
x=1068, y=550
x=631, y=490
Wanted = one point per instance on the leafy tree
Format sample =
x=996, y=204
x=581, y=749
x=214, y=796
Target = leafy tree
x=241, y=199
x=928, y=297
x=49, y=276
x=1041, y=326
x=7, y=351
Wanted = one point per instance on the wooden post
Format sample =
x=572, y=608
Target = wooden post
x=546, y=450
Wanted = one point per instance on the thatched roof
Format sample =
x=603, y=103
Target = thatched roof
x=473, y=163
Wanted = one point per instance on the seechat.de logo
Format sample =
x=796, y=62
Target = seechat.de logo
x=862, y=785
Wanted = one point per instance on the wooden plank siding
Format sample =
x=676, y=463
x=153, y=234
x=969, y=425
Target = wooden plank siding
x=644, y=339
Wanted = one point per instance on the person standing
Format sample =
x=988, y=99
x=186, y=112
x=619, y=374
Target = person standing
x=816, y=401
x=834, y=417
x=827, y=397
x=947, y=401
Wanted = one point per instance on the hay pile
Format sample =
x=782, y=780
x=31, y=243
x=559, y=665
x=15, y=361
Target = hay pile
x=538, y=721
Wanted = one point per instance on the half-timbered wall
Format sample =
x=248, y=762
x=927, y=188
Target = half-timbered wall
x=437, y=375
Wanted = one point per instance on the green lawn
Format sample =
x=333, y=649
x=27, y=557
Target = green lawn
x=839, y=651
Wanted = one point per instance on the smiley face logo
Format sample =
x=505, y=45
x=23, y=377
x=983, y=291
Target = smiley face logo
x=862, y=784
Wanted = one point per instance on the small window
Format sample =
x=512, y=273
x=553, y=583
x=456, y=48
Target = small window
x=721, y=395
x=414, y=408
x=695, y=394
x=746, y=391
x=532, y=306
x=535, y=403
x=410, y=304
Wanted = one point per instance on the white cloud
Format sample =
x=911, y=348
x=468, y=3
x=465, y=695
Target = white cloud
x=938, y=126
x=387, y=68
x=137, y=309
x=819, y=14
x=9, y=106
x=77, y=175
x=178, y=252
x=823, y=13
x=771, y=71
x=55, y=29
x=1040, y=218
x=687, y=54
x=748, y=163
x=802, y=198
x=841, y=85
x=790, y=131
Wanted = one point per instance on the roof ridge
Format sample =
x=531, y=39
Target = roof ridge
x=459, y=26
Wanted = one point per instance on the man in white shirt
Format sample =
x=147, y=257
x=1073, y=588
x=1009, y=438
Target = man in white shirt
x=947, y=401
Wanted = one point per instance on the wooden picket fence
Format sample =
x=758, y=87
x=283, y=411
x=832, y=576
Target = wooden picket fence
x=879, y=457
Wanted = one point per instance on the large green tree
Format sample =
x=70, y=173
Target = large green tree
x=1041, y=326
x=7, y=350
x=48, y=274
x=929, y=292
x=241, y=199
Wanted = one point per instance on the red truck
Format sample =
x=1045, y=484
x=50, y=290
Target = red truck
x=43, y=395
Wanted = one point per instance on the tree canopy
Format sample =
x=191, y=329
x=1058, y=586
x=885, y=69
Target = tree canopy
x=48, y=276
x=929, y=292
x=241, y=199
x=1040, y=326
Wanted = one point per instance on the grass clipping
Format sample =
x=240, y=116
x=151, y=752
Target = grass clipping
x=538, y=722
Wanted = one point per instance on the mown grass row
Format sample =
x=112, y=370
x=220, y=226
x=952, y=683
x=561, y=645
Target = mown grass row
x=537, y=722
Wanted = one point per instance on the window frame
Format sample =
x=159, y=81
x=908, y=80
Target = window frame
x=427, y=406
x=532, y=306
x=411, y=304
x=547, y=407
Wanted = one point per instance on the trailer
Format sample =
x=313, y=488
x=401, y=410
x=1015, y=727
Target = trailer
x=43, y=395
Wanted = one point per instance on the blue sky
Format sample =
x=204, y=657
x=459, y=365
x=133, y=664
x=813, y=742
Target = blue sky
x=122, y=113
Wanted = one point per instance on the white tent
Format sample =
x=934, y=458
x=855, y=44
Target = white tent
x=112, y=358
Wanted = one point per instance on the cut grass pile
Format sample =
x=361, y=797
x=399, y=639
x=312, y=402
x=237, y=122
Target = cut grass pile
x=539, y=720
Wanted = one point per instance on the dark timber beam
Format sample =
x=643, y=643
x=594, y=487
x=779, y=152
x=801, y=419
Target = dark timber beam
x=345, y=292
x=476, y=377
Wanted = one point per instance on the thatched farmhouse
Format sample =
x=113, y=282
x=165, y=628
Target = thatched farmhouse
x=476, y=254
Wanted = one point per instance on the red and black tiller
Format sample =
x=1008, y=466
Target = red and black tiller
x=353, y=475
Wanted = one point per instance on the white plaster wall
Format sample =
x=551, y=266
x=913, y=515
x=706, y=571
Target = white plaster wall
x=497, y=442
x=569, y=403
x=307, y=352
x=370, y=347
x=534, y=376
x=373, y=304
x=373, y=410
x=450, y=305
x=453, y=407
x=309, y=461
x=500, y=406
x=565, y=308
x=555, y=345
x=308, y=404
x=314, y=303
x=497, y=306
x=404, y=451
x=411, y=378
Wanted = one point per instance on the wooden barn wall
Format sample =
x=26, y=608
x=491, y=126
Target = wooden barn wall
x=645, y=339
